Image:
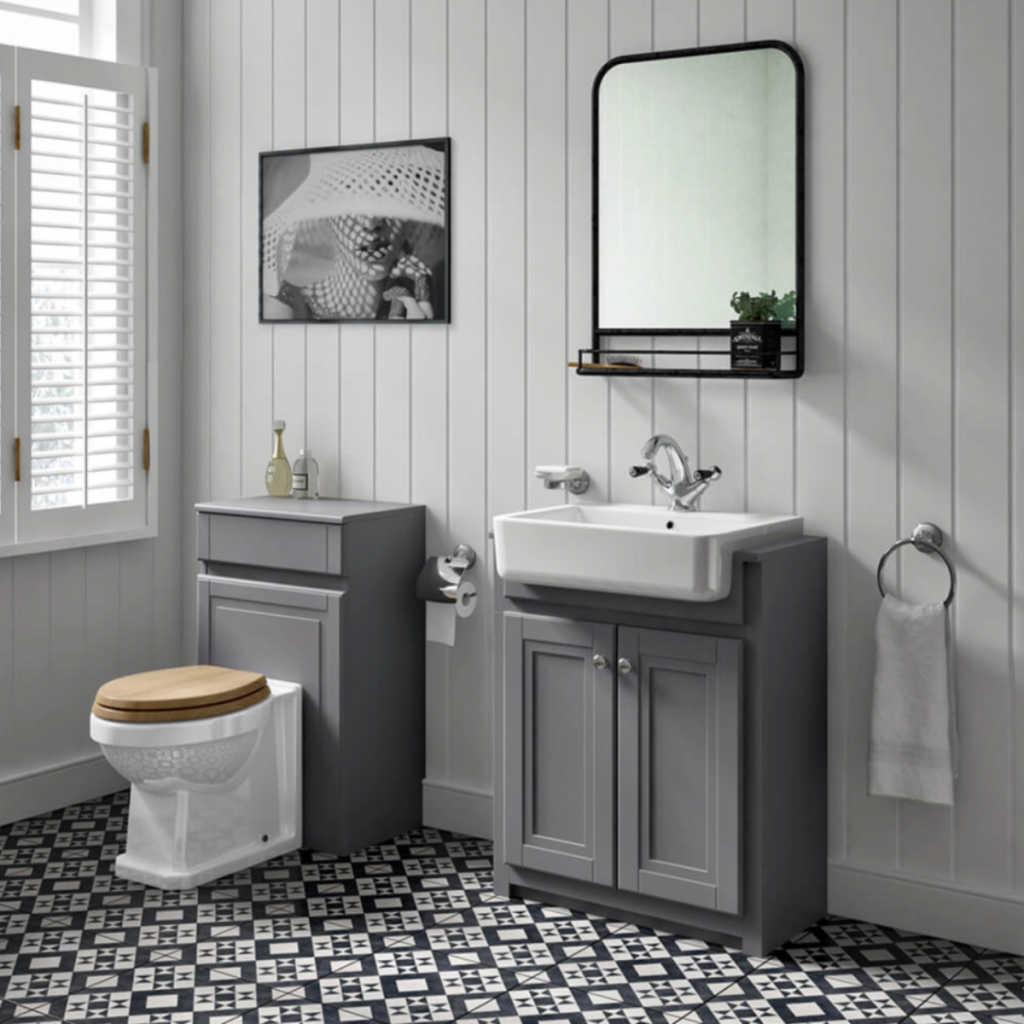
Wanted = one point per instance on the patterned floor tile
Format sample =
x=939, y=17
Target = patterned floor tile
x=26, y=1013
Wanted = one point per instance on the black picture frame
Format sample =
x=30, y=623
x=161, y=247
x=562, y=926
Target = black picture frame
x=794, y=356
x=374, y=193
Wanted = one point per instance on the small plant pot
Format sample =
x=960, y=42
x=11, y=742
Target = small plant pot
x=756, y=344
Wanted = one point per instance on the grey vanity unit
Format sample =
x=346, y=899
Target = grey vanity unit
x=322, y=593
x=664, y=761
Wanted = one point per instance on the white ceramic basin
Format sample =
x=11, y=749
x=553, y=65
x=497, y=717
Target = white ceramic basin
x=632, y=549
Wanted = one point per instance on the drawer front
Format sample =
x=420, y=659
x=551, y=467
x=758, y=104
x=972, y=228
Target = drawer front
x=271, y=543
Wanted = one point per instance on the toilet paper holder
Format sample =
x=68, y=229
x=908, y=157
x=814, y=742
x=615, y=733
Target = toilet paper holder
x=440, y=578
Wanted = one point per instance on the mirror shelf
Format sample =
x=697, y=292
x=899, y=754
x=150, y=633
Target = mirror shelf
x=698, y=193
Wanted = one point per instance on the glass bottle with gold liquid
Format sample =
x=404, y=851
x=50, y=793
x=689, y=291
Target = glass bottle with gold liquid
x=279, y=472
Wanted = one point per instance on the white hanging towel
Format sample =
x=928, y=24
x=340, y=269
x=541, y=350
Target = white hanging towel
x=913, y=715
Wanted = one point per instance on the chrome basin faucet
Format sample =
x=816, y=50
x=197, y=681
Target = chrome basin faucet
x=682, y=487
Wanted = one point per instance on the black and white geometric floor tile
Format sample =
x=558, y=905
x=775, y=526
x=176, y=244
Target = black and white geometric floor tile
x=411, y=932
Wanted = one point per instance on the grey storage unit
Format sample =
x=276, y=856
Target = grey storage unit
x=323, y=594
x=665, y=761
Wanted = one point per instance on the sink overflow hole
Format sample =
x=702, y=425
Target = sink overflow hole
x=670, y=525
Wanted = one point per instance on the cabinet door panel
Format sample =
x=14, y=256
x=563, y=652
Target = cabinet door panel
x=292, y=634
x=559, y=719
x=679, y=768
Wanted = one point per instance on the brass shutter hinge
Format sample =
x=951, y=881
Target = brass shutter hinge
x=17, y=127
x=145, y=142
x=17, y=460
x=145, y=449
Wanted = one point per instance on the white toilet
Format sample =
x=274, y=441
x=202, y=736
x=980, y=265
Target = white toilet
x=215, y=761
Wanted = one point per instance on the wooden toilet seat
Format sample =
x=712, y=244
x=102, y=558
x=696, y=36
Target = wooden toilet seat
x=179, y=694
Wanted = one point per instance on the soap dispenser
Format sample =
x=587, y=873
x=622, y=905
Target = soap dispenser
x=279, y=472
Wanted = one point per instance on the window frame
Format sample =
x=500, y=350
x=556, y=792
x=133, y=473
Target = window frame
x=21, y=532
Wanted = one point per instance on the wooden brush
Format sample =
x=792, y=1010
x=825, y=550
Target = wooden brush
x=614, y=361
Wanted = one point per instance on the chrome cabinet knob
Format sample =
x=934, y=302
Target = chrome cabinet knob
x=625, y=666
x=600, y=661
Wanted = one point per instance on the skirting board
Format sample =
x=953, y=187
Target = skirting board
x=49, y=789
x=458, y=809
x=928, y=907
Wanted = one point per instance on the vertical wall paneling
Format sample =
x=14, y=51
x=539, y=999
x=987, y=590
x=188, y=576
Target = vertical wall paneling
x=871, y=381
x=723, y=406
x=32, y=658
x=394, y=380
x=631, y=412
x=771, y=406
x=196, y=436
x=676, y=400
x=547, y=377
x=322, y=349
x=289, y=85
x=910, y=407
x=506, y=255
x=429, y=358
x=103, y=613
x=67, y=630
x=8, y=683
x=1017, y=459
x=469, y=683
x=357, y=386
x=981, y=480
x=586, y=51
x=821, y=450
x=225, y=264
x=925, y=352
x=257, y=126
x=135, y=620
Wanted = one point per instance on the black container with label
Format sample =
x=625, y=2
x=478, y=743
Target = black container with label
x=756, y=344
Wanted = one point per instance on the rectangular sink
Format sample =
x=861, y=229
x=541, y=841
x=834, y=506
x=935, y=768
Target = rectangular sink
x=632, y=549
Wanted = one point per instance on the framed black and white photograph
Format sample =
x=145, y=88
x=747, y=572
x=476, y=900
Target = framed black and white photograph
x=355, y=233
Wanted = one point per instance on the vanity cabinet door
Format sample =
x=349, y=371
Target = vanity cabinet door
x=679, y=778
x=291, y=634
x=560, y=746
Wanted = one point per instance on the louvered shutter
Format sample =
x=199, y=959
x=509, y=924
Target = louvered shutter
x=8, y=208
x=81, y=291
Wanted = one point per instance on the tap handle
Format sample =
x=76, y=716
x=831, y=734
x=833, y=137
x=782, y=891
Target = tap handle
x=707, y=474
x=639, y=470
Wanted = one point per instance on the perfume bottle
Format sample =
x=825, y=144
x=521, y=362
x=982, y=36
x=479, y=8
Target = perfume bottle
x=279, y=473
x=305, y=476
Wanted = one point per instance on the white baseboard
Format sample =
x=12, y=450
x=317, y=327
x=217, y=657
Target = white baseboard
x=929, y=907
x=49, y=789
x=458, y=809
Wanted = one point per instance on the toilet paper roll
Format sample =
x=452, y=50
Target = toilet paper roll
x=441, y=618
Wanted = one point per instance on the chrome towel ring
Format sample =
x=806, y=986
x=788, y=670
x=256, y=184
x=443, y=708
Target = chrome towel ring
x=926, y=537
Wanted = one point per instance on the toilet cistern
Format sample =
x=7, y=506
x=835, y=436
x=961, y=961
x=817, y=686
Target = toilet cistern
x=683, y=488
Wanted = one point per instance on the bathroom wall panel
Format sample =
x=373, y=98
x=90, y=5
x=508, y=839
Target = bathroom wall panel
x=771, y=405
x=821, y=401
x=925, y=354
x=869, y=447
x=470, y=696
x=723, y=403
x=392, y=43
x=631, y=410
x=546, y=271
x=1017, y=419
x=586, y=50
x=982, y=455
x=226, y=312
x=31, y=660
x=289, y=127
x=257, y=378
x=357, y=443
x=69, y=596
x=323, y=353
x=135, y=616
x=873, y=346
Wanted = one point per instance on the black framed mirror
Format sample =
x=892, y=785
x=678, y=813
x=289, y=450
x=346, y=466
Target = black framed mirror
x=698, y=193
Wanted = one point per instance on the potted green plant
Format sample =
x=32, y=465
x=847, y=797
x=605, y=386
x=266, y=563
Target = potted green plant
x=757, y=333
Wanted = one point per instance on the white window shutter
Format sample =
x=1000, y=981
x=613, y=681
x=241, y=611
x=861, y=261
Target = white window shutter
x=81, y=297
x=8, y=260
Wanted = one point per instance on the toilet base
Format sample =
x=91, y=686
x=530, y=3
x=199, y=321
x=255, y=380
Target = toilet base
x=183, y=835
x=135, y=870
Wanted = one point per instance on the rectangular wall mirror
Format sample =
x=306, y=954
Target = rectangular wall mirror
x=698, y=193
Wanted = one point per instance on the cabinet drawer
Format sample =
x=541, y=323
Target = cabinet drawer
x=271, y=543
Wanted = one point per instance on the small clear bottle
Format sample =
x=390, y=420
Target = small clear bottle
x=279, y=473
x=305, y=476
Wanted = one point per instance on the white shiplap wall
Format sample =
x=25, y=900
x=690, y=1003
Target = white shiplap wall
x=71, y=620
x=910, y=408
